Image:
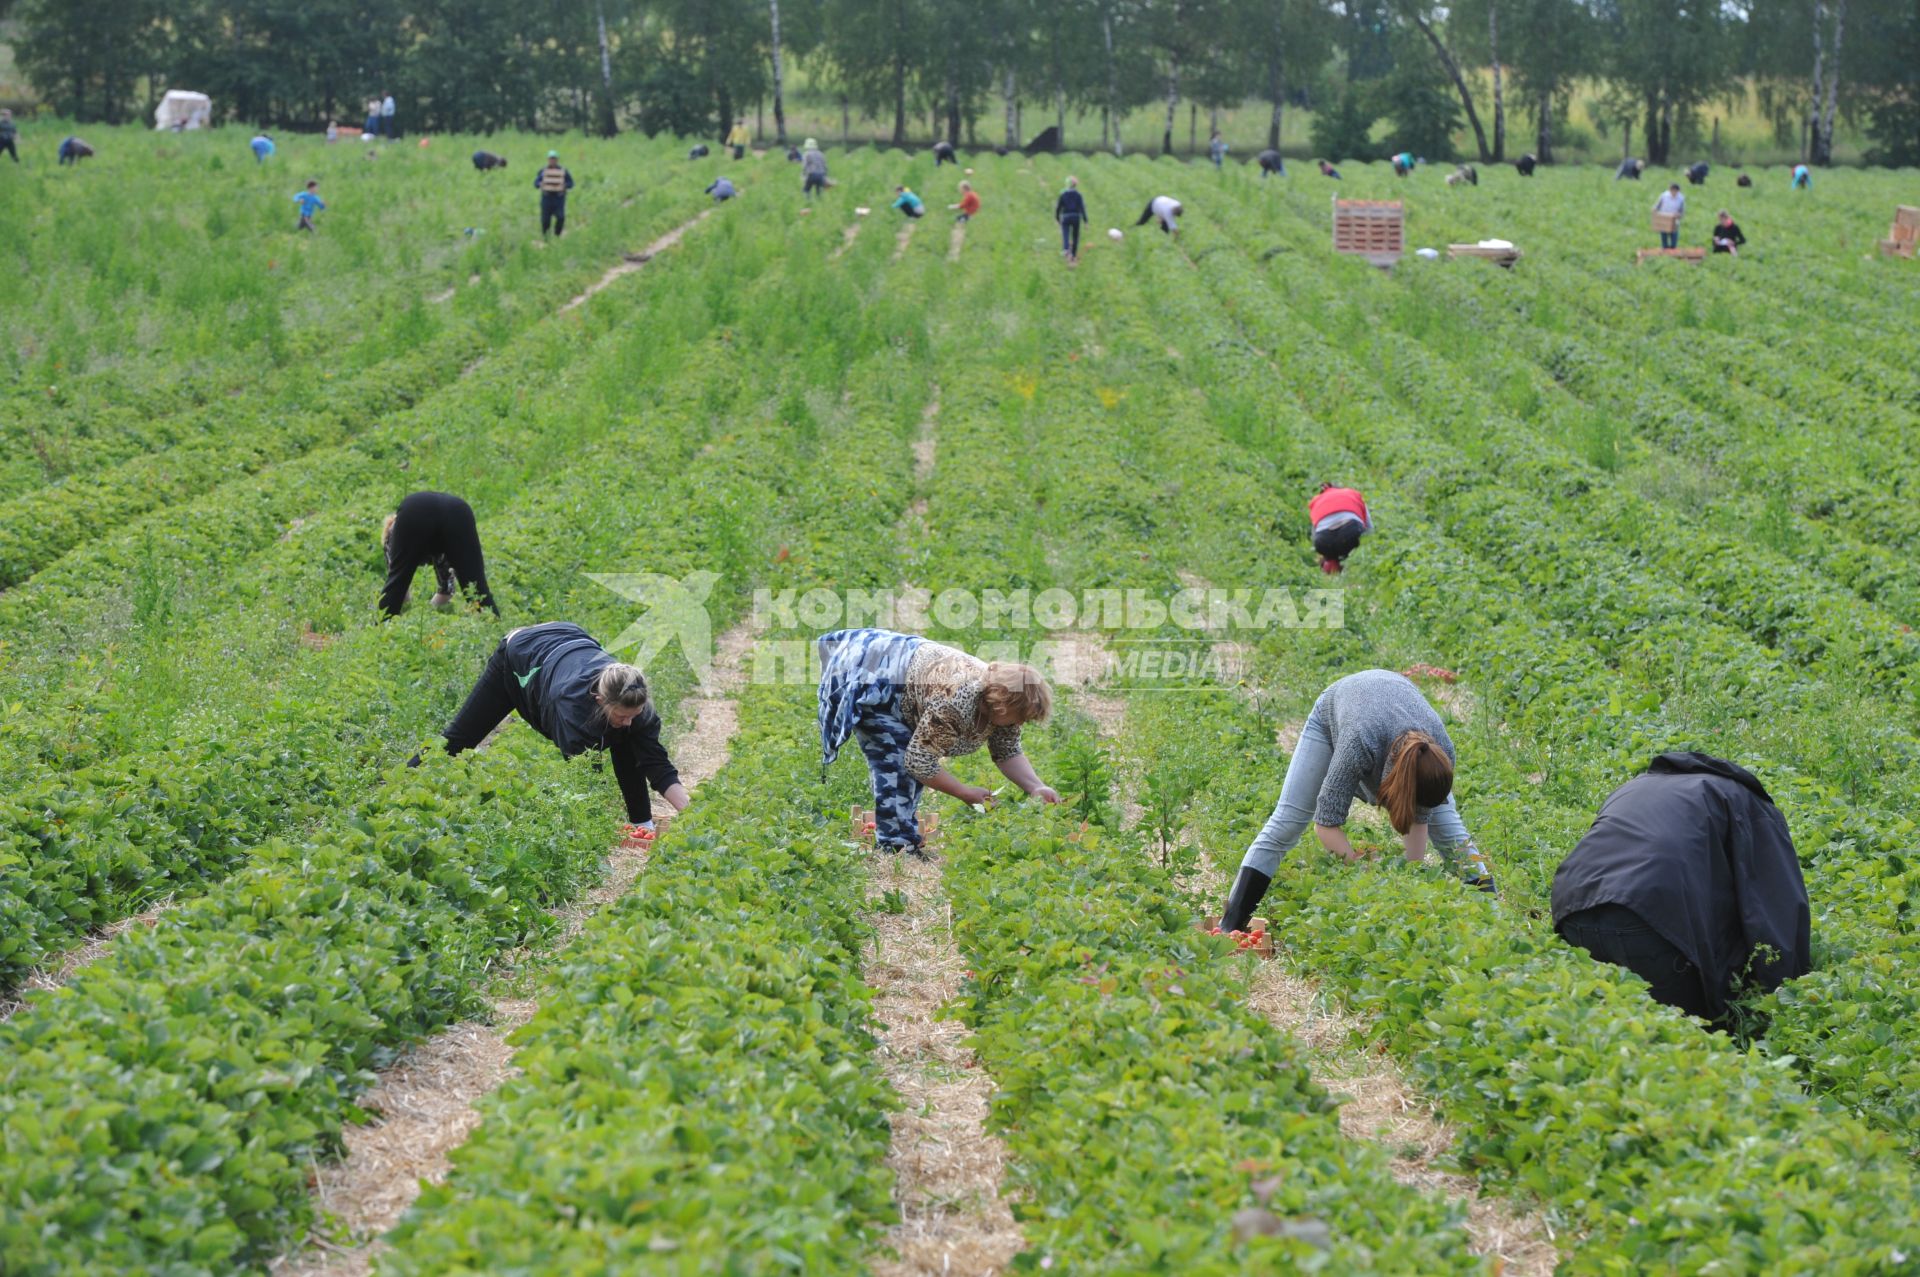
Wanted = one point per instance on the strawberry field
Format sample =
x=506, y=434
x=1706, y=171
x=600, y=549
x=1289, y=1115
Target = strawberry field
x=1621, y=509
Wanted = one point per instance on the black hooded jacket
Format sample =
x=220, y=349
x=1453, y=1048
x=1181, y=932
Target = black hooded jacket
x=1697, y=849
x=550, y=674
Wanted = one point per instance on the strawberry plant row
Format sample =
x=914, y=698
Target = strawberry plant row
x=160, y=1113
x=193, y=810
x=1861, y=1009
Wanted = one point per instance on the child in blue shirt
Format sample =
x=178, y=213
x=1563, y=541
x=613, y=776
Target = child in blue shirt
x=907, y=202
x=310, y=203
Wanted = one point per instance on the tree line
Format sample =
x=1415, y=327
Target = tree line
x=1500, y=73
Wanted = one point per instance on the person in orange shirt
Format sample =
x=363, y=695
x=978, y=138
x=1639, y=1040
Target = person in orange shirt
x=1339, y=517
x=969, y=202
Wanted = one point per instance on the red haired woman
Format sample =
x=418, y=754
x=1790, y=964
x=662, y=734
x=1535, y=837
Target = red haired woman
x=1372, y=736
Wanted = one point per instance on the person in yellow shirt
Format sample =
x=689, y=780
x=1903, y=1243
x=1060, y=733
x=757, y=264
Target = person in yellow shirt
x=739, y=139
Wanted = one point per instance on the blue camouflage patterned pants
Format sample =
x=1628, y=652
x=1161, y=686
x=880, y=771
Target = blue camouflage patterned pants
x=896, y=795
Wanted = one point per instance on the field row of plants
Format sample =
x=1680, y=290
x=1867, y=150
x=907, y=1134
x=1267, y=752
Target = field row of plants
x=730, y=507
x=163, y=286
x=716, y=1014
x=1850, y=1032
x=200, y=757
x=1438, y=609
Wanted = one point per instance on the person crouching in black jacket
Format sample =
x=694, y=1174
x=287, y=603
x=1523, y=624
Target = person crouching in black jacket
x=570, y=690
x=433, y=528
x=1688, y=878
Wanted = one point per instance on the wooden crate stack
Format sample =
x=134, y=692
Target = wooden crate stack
x=1373, y=229
x=1904, y=234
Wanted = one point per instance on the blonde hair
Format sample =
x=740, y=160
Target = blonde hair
x=386, y=536
x=1419, y=774
x=620, y=687
x=1011, y=687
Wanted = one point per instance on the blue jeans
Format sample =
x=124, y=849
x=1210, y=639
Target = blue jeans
x=1669, y=239
x=1070, y=236
x=896, y=795
x=1300, y=793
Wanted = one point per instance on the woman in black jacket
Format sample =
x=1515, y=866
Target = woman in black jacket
x=1726, y=235
x=1688, y=879
x=567, y=688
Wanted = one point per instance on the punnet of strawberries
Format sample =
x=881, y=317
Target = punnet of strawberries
x=1242, y=939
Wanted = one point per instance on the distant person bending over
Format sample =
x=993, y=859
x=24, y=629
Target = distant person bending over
x=1726, y=235
x=943, y=154
x=1464, y=175
x=1217, y=149
x=1526, y=164
x=1630, y=169
x=1688, y=878
x=1802, y=178
x=1070, y=210
x=699, y=152
x=434, y=528
x=262, y=147
x=9, y=134
x=567, y=688
x=487, y=161
x=908, y=203
x=1339, y=519
x=722, y=190
x=1328, y=170
x=793, y=155
x=72, y=151
x=1674, y=204
x=1697, y=174
x=1404, y=163
x=310, y=203
x=1166, y=212
x=740, y=138
x=1271, y=163
x=912, y=703
x=1370, y=736
x=969, y=203
x=553, y=182
x=1744, y=180
x=813, y=170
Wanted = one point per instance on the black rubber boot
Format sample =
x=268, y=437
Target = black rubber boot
x=1248, y=890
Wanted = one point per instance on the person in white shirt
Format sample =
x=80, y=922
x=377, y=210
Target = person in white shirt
x=1164, y=209
x=386, y=117
x=1675, y=203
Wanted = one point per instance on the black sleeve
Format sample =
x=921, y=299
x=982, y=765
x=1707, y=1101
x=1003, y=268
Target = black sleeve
x=642, y=742
x=400, y=570
x=639, y=759
x=1770, y=893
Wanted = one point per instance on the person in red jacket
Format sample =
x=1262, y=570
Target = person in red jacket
x=1339, y=517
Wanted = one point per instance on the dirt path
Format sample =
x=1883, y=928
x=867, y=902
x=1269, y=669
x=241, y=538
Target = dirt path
x=426, y=1100
x=947, y=1168
x=847, y=237
x=956, y=241
x=634, y=261
x=66, y=965
x=904, y=238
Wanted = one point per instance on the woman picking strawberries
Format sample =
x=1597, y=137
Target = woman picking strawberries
x=912, y=703
x=1371, y=735
x=567, y=688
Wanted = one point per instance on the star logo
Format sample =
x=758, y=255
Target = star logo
x=676, y=613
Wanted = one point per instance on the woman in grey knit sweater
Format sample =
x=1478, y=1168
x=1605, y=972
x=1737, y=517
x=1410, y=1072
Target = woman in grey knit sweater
x=1371, y=736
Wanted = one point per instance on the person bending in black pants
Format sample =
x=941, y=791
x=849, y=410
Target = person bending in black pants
x=433, y=528
x=1688, y=879
x=567, y=688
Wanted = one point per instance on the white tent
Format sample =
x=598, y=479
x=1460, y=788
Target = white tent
x=181, y=110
